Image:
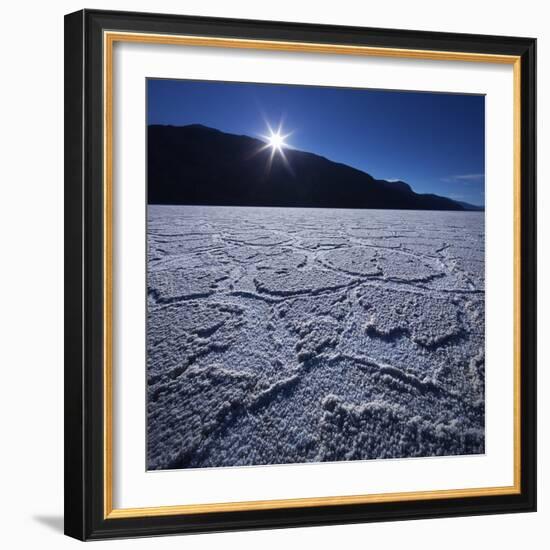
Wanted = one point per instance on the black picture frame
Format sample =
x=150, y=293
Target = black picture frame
x=85, y=497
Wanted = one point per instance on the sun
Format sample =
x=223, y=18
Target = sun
x=276, y=141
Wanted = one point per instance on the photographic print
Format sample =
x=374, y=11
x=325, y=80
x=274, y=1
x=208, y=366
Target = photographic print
x=315, y=274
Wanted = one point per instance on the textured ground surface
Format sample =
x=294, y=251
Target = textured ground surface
x=296, y=335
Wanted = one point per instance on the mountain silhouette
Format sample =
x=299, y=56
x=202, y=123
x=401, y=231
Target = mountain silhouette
x=196, y=164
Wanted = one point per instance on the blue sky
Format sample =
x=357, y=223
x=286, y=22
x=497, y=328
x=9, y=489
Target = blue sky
x=433, y=141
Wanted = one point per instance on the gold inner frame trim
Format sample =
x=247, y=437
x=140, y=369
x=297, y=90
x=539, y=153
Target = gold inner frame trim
x=109, y=39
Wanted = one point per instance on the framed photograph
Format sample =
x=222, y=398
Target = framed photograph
x=300, y=274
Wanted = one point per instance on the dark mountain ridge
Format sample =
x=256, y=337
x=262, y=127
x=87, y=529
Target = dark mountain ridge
x=199, y=165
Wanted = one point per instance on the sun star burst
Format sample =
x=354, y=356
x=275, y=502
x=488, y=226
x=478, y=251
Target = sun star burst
x=276, y=141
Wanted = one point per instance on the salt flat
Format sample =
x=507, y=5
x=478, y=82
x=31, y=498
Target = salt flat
x=284, y=335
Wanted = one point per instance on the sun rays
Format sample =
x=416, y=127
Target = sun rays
x=276, y=141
